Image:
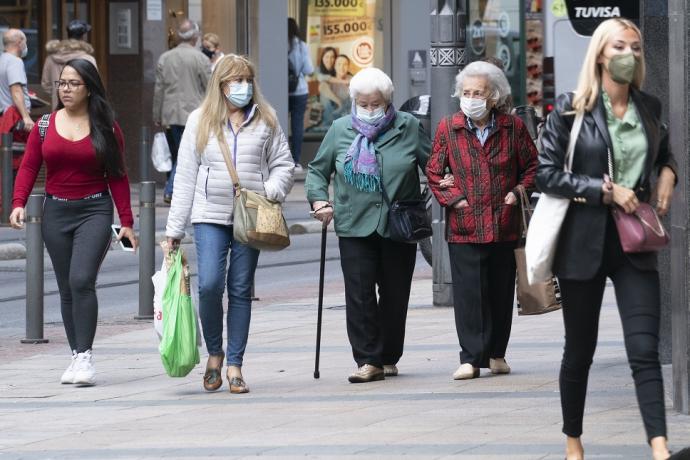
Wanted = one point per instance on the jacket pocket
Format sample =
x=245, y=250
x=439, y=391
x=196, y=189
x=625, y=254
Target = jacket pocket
x=463, y=221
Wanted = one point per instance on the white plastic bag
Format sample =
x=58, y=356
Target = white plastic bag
x=160, y=153
x=159, y=279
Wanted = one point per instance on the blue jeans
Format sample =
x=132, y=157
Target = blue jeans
x=212, y=244
x=297, y=105
x=173, y=135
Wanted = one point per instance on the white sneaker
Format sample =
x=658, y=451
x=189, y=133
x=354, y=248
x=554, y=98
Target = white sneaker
x=84, y=369
x=466, y=371
x=298, y=168
x=68, y=375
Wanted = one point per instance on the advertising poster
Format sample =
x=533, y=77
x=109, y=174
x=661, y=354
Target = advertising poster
x=340, y=36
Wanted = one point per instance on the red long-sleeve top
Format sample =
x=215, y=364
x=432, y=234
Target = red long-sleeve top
x=72, y=170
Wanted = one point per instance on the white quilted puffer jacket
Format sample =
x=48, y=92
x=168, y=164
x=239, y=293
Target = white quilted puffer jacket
x=203, y=187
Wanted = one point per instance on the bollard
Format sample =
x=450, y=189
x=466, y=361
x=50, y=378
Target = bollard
x=147, y=248
x=144, y=155
x=7, y=178
x=34, y=270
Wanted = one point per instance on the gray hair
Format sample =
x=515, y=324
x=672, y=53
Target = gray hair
x=188, y=30
x=370, y=80
x=12, y=37
x=498, y=83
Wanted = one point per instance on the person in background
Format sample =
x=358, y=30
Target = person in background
x=83, y=150
x=372, y=149
x=335, y=92
x=298, y=56
x=210, y=46
x=62, y=51
x=236, y=122
x=491, y=156
x=621, y=124
x=14, y=93
x=182, y=75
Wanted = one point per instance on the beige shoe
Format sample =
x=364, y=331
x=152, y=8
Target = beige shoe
x=366, y=373
x=499, y=366
x=466, y=371
x=390, y=370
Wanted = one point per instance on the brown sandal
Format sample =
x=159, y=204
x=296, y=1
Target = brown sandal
x=213, y=376
x=237, y=385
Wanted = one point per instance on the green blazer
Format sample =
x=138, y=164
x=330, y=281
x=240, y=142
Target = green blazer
x=400, y=151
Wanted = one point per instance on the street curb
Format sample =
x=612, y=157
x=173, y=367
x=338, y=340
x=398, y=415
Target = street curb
x=12, y=251
x=308, y=226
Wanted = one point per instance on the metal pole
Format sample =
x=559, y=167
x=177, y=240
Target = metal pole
x=447, y=56
x=144, y=155
x=34, y=271
x=7, y=178
x=147, y=248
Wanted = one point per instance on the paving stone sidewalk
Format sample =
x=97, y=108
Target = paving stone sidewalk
x=137, y=412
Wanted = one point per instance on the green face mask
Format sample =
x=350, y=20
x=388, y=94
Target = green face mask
x=622, y=68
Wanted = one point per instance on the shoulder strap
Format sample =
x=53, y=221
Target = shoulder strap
x=574, y=133
x=43, y=124
x=228, y=163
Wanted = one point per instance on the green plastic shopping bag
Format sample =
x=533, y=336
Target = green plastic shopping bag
x=178, y=347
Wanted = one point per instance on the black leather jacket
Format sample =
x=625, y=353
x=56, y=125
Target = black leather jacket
x=581, y=242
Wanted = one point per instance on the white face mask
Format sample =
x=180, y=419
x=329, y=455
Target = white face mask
x=25, y=51
x=372, y=116
x=473, y=108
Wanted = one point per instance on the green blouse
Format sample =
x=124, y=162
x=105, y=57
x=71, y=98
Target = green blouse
x=629, y=143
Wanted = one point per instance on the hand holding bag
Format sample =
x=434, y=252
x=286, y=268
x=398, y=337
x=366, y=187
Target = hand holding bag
x=257, y=221
x=641, y=231
x=538, y=298
x=546, y=222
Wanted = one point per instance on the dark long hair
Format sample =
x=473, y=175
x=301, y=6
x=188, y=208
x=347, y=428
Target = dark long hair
x=101, y=119
x=322, y=68
x=293, y=31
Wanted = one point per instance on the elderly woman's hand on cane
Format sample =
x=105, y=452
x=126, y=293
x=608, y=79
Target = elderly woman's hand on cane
x=323, y=211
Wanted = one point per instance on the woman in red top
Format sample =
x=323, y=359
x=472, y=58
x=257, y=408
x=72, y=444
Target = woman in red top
x=82, y=148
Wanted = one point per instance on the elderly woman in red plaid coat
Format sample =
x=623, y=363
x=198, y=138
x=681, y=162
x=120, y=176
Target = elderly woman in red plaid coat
x=480, y=157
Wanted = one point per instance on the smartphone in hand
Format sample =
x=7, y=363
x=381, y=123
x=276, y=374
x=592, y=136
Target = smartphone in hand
x=125, y=243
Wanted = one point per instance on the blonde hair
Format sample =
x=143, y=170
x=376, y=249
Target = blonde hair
x=214, y=110
x=212, y=38
x=589, y=83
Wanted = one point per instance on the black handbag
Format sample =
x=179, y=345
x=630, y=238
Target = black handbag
x=408, y=221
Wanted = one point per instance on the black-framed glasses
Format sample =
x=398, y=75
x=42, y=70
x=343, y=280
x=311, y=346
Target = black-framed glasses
x=68, y=84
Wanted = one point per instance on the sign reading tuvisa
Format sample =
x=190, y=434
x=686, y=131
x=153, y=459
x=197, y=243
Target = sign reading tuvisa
x=586, y=15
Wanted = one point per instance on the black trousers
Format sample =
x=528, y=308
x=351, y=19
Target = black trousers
x=376, y=328
x=483, y=293
x=638, y=298
x=77, y=237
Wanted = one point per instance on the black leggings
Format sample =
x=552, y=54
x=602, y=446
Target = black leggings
x=638, y=298
x=77, y=236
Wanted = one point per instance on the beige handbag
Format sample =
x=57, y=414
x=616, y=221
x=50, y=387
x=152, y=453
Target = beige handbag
x=257, y=221
x=541, y=297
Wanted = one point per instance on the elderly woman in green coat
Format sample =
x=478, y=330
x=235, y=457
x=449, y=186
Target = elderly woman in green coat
x=373, y=149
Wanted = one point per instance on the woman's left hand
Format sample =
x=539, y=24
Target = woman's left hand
x=510, y=199
x=447, y=181
x=664, y=190
x=127, y=232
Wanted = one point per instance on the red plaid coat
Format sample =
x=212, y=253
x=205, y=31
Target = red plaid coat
x=483, y=176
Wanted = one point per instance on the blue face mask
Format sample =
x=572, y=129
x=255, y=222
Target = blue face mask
x=240, y=94
x=372, y=116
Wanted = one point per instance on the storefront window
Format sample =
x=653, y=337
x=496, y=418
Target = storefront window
x=343, y=36
x=494, y=30
x=24, y=15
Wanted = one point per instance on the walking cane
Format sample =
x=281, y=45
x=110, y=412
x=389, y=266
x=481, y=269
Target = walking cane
x=324, y=230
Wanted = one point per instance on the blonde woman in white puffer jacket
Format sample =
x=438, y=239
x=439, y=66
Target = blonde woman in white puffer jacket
x=235, y=113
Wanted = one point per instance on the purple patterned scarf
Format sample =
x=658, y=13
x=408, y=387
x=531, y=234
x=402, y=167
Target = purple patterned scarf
x=361, y=167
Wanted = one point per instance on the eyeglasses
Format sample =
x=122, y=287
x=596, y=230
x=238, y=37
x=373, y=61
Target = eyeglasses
x=68, y=84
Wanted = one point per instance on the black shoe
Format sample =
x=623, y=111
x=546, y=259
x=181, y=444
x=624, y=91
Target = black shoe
x=167, y=198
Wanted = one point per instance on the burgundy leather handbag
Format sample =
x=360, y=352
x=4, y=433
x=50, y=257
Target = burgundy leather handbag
x=641, y=231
